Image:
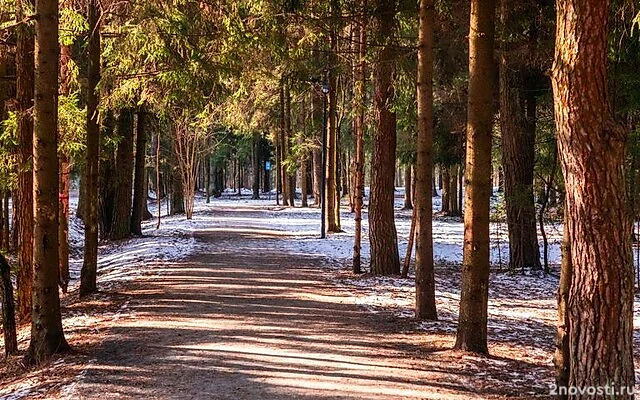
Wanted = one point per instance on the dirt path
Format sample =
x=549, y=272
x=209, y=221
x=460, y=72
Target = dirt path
x=250, y=323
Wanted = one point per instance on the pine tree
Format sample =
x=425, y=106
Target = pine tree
x=425, y=281
x=47, y=336
x=88, y=274
x=472, y=322
x=592, y=152
x=383, y=236
x=24, y=194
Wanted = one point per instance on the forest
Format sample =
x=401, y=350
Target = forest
x=304, y=199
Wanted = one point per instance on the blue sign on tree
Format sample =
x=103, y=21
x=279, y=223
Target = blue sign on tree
x=267, y=166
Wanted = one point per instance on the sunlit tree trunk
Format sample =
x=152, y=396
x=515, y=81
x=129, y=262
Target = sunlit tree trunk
x=472, y=322
x=425, y=280
x=24, y=194
x=47, y=336
x=592, y=153
x=383, y=236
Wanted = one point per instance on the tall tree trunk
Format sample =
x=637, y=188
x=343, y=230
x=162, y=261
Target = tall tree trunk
x=425, y=280
x=177, y=193
x=88, y=273
x=63, y=224
x=518, y=129
x=453, y=191
x=257, y=166
x=316, y=105
x=121, y=225
x=207, y=179
x=359, y=95
x=5, y=212
x=291, y=172
x=472, y=322
x=445, y=207
x=47, y=336
x=331, y=194
x=383, y=236
x=64, y=183
x=81, y=193
x=140, y=175
x=283, y=148
x=592, y=154
x=562, y=356
x=408, y=201
x=107, y=176
x=24, y=200
x=156, y=139
x=304, y=159
x=4, y=96
x=8, y=308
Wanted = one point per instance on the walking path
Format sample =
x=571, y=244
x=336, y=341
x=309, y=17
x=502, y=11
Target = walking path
x=257, y=324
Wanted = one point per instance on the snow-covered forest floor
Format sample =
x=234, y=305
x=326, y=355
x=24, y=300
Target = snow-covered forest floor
x=522, y=308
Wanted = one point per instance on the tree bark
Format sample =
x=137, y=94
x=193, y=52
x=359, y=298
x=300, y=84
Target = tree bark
x=177, y=193
x=140, y=176
x=88, y=273
x=445, y=206
x=291, y=172
x=562, y=357
x=360, y=98
x=383, y=236
x=47, y=336
x=24, y=194
x=304, y=159
x=592, y=154
x=257, y=167
x=107, y=176
x=472, y=322
x=453, y=191
x=425, y=280
x=518, y=129
x=8, y=309
x=408, y=201
x=121, y=225
x=316, y=104
x=332, y=196
x=283, y=148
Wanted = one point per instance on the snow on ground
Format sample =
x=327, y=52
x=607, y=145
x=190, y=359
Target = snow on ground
x=124, y=260
x=304, y=224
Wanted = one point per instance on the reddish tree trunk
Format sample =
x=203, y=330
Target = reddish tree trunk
x=383, y=236
x=24, y=194
x=592, y=153
x=47, y=336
